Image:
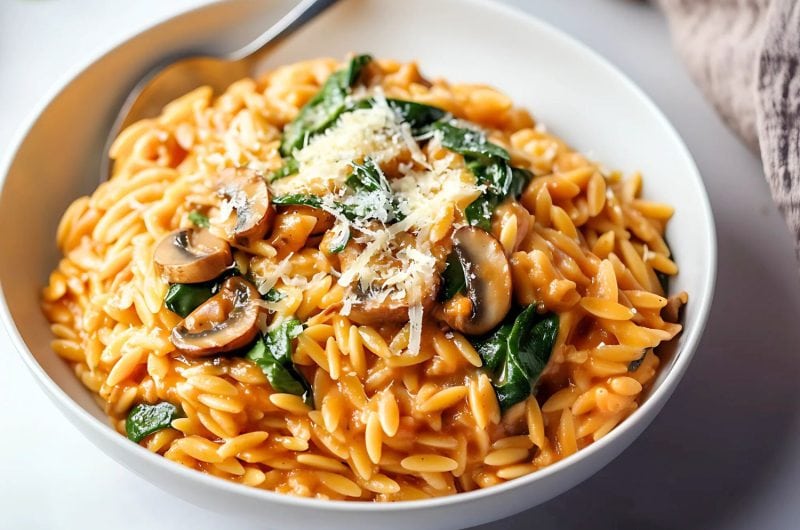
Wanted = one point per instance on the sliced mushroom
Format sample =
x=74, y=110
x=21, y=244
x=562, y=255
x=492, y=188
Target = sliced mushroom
x=226, y=321
x=488, y=283
x=192, y=255
x=377, y=309
x=246, y=196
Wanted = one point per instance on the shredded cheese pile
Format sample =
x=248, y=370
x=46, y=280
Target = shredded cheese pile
x=385, y=270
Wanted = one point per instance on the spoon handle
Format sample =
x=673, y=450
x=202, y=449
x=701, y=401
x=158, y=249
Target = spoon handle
x=304, y=11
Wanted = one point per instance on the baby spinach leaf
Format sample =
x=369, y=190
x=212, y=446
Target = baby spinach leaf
x=468, y=142
x=143, y=419
x=418, y=116
x=273, y=354
x=323, y=109
x=493, y=348
x=510, y=382
x=516, y=353
x=512, y=385
x=496, y=175
x=315, y=201
x=453, y=280
x=367, y=177
x=289, y=167
x=282, y=378
x=198, y=219
x=373, y=197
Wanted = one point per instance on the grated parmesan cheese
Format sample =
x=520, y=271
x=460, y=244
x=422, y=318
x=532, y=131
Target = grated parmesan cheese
x=414, y=328
x=324, y=164
x=385, y=270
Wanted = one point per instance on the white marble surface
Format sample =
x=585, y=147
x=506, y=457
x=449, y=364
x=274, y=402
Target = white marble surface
x=724, y=453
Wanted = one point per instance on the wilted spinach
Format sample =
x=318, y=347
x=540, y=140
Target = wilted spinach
x=143, y=419
x=273, y=354
x=367, y=177
x=469, y=142
x=323, y=109
x=453, y=279
x=418, y=116
x=516, y=353
x=490, y=164
x=183, y=298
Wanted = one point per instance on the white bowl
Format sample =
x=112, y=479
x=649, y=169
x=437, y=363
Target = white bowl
x=569, y=88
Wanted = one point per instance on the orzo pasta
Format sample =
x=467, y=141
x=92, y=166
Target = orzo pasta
x=345, y=281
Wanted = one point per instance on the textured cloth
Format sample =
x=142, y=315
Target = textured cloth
x=745, y=55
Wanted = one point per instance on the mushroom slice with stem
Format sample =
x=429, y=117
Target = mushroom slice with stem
x=227, y=321
x=246, y=213
x=488, y=283
x=192, y=255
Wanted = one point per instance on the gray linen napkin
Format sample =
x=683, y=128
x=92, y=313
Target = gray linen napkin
x=745, y=56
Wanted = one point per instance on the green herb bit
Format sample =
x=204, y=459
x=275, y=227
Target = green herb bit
x=199, y=219
x=274, y=295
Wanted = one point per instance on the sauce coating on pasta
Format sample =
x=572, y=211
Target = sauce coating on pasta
x=343, y=280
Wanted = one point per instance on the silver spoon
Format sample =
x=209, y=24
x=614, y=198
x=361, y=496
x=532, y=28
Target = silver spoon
x=173, y=78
